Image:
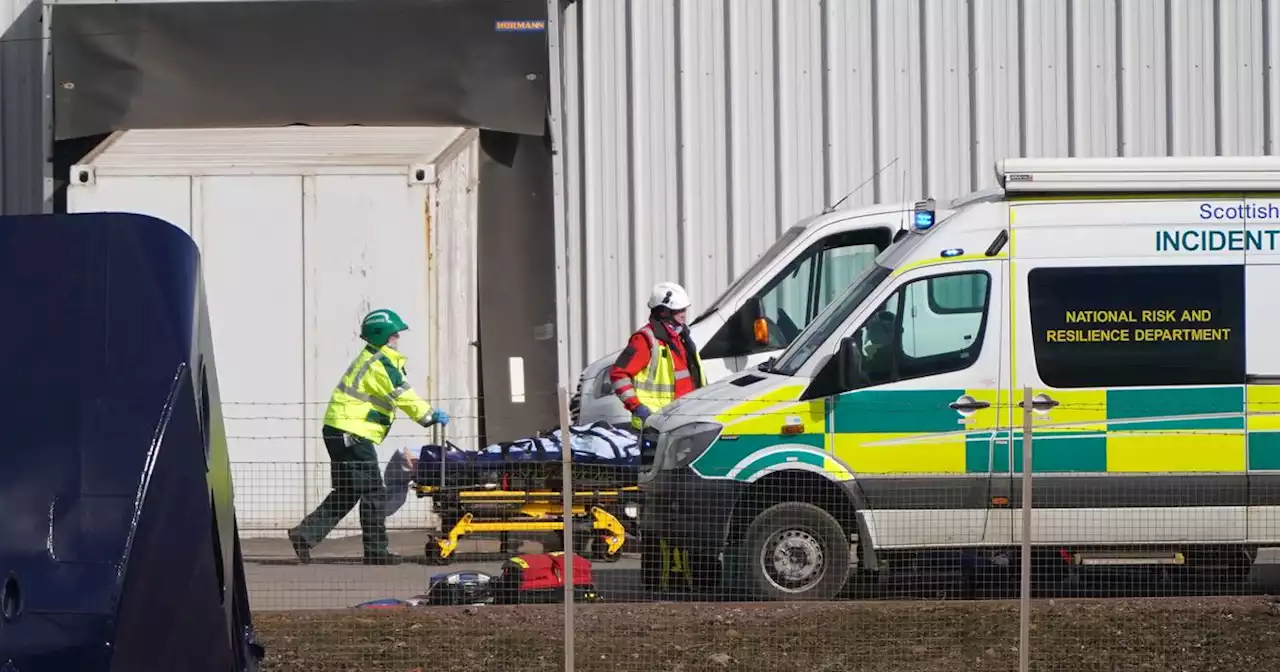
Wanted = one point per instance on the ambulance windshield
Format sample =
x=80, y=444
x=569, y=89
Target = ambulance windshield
x=838, y=311
x=829, y=320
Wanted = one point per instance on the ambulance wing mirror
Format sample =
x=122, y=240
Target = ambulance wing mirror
x=849, y=363
x=752, y=325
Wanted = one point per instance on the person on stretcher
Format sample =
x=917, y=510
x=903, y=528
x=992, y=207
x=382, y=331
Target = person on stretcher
x=598, y=445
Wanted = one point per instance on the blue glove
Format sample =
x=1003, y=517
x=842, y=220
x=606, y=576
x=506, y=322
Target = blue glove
x=440, y=417
x=642, y=412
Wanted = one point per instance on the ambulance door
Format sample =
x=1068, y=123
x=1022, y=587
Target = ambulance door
x=1128, y=328
x=1262, y=367
x=918, y=428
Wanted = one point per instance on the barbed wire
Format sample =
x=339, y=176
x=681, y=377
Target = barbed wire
x=325, y=400
x=740, y=400
x=781, y=437
x=750, y=408
x=854, y=397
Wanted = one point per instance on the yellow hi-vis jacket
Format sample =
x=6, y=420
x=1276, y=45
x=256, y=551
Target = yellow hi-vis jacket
x=366, y=399
x=655, y=384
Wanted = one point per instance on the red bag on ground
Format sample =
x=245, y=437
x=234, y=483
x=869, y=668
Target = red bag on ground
x=539, y=577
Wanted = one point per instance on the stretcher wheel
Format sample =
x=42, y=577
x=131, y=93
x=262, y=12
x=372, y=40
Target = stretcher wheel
x=431, y=550
x=594, y=548
x=600, y=548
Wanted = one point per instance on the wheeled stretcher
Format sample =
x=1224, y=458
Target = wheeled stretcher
x=517, y=486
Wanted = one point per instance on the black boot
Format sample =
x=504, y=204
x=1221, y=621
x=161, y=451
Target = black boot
x=300, y=547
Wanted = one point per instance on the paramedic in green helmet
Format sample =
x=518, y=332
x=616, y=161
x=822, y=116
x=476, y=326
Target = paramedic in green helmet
x=361, y=410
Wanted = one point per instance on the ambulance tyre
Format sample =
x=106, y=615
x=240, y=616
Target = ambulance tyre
x=795, y=551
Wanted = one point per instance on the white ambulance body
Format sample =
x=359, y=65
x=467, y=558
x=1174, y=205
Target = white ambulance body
x=787, y=286
x=1138, y=298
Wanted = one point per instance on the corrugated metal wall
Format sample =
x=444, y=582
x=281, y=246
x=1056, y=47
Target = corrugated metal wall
x=697, y=130
x=22, y=155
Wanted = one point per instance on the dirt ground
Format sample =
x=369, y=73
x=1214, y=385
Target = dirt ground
x=1187, y=635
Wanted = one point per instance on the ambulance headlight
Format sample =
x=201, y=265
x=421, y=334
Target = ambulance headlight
x=925, y=216
x=686, y=444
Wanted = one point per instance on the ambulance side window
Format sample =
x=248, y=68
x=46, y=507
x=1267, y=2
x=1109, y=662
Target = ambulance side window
x=955, y=294
x=1124, y=326
x=906, y=338
x=794, y=297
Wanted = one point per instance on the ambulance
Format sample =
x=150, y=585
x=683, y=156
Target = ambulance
x=767, y=306
x=1139, y=301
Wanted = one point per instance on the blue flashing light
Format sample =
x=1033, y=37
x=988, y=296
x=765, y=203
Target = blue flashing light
x=924, y=215
x=953, y=252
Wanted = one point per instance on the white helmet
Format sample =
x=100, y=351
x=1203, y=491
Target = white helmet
x=669, y=295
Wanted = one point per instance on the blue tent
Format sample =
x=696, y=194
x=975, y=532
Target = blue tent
x=118, y=541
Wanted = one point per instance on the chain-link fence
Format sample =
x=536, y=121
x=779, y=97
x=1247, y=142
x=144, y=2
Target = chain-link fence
x=780, y=535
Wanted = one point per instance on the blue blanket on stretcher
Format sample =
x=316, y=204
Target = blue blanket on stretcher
x=599, y=445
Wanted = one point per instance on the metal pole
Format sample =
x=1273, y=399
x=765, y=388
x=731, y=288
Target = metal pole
x=1024, y=625
x=437, y=437
x=438, y=431
x=559, y=196
x=566, y=488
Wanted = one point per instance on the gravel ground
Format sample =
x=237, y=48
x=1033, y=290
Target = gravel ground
x=1182, y=634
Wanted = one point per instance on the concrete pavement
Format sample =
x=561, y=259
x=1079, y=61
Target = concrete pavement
x=336, y=580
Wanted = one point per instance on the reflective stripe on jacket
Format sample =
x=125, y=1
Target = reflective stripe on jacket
x=665, y=378
x=366, y=399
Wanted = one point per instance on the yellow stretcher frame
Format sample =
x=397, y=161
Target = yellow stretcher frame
x=543, y=510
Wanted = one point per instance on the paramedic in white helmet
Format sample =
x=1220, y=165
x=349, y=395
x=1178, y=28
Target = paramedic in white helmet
x=660, y=363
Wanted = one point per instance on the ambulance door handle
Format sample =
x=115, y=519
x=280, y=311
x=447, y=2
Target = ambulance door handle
x=967, y=404
x=1040, y=403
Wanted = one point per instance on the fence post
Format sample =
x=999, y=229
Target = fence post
x=1024, y=611
x=566, y=488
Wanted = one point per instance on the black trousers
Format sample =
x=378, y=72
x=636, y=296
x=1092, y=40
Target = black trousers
x=355, y=478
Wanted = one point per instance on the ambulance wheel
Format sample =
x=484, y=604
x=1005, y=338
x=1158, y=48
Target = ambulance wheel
x=795, y=551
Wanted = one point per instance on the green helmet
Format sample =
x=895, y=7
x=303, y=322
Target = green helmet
x=380, y=325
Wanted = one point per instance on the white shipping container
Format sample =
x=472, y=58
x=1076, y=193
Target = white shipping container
x=303, y=230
